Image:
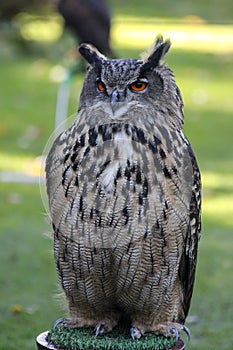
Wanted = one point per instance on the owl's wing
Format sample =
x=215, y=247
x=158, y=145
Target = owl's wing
x=54, y=176
x=189, y=258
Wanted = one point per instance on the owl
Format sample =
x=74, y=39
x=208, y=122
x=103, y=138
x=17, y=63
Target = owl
x=124, y=195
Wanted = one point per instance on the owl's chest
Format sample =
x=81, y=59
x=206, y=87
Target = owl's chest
x=114, y=178
x=108, y=176
x=105, y=163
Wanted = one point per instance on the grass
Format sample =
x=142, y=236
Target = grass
x=27, y=274
x=118, y=339
x=27, y=100
x=219, y=11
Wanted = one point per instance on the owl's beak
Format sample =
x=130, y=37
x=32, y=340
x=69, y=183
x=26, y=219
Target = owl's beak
x=117, y=100
x=115, y=97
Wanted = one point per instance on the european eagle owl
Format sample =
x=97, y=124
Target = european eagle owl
x=124, y=196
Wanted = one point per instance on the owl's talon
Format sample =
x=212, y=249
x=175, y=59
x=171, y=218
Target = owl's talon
x=99, y=329
x=103, y=328
x=135, y=333
x=62, y=321
x=186, y=330
x=175, y=332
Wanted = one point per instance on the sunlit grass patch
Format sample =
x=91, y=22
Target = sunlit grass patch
x=14, y=162
x=219, y=209
x=218, y=197
x=138, y=32
x=40, y=28
x=215, y=181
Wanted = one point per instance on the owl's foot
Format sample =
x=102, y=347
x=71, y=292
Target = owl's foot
x=75, y=322
x=168, y=329
x=135, y=333
x=60, y=321
x=104, y=327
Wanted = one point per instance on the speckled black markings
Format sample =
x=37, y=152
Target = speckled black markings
x=167, y=173
x=118, y=188
x=92, y=137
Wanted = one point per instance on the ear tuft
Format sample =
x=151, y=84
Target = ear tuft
x=152, y=59
x=91, y=55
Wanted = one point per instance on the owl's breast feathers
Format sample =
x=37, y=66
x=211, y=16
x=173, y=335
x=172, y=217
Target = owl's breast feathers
x=136, y=192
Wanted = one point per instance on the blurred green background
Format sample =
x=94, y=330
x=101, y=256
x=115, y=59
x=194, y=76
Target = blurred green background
x=35, y=54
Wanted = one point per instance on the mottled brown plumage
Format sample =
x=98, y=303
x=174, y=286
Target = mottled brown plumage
x=124, y=197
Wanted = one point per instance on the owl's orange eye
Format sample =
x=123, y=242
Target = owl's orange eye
x=138, y=86
x=100, y=85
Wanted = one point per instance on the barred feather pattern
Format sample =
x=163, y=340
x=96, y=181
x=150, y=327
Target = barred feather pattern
x=124, y=197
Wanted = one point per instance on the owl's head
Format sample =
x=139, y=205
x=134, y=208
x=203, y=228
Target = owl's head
x=123, y=85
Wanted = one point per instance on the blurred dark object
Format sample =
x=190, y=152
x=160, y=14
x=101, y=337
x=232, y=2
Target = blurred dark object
x=10, y=8
x=89, y=20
